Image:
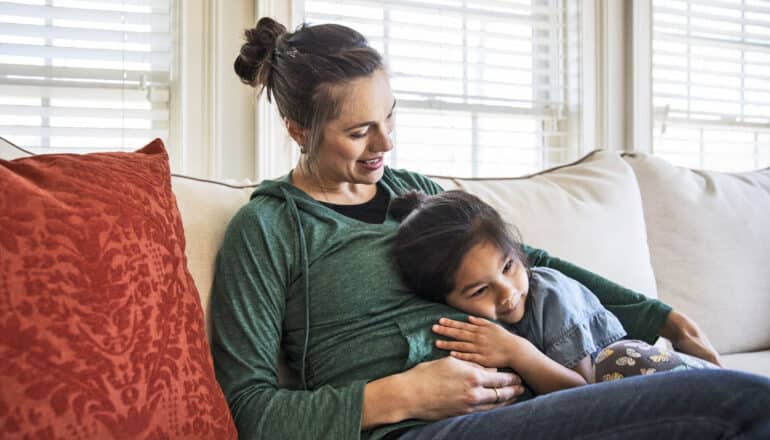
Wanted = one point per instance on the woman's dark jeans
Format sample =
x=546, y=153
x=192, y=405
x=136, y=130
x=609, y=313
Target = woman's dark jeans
x=695, y=404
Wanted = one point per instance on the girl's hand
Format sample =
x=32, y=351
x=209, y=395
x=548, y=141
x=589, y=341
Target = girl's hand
x=686, y=337
x=479, y=341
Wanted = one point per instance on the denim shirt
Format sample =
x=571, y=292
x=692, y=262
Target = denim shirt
x=564, y=319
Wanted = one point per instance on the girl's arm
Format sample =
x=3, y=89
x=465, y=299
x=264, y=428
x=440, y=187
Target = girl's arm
x=488, y=344
x=642, y=317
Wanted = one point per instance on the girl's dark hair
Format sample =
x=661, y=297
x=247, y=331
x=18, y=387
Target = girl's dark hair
x=437, y=231
x=301, y=70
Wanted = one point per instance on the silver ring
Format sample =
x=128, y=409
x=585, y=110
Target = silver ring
x=497, y=395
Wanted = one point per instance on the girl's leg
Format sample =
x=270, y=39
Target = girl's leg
x=702, y=404
x=630, y=357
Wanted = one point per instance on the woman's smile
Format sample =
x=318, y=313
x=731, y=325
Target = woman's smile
x=371, y=164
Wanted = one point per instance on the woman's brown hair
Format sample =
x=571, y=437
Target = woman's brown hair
x=302, y=70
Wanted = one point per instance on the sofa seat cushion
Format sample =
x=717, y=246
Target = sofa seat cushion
x=588, y=212
x=757, y=362
x=709, y=237
x=101, y=329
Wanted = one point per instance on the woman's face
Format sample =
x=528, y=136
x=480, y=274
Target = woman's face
x=354, y=145
x=490, y=284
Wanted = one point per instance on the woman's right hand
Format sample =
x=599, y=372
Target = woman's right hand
x=450, y=387
x=436, y=390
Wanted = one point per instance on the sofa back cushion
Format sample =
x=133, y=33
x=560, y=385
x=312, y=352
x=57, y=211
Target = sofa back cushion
x=101, y=329
x=9, y=151
x=588, y=212
x=709, y=236
x=206, y=208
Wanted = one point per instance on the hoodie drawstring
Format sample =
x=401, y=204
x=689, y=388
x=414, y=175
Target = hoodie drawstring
x=306, y=274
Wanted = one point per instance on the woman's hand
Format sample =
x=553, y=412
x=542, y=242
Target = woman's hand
x=436, y=390
x=686, y=337
x=479, y=341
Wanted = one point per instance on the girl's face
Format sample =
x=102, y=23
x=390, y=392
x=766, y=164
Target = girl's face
x=490, y=285
x=354, y=145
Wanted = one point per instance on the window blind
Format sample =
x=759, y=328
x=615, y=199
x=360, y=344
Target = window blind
x=711, y=83
x=83, y=76
x=484, y=88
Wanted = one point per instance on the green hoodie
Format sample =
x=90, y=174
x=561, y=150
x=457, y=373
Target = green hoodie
x=363, y=324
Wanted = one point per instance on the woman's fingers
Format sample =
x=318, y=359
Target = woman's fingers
x=507, y=394
x=493, y=379
x=441, y=388
x=501, y=388
x=470, y=357
x=513, y=393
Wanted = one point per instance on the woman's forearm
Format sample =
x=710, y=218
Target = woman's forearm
x=687, y=337
x=384, y=402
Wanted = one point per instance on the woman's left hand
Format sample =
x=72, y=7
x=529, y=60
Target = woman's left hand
x=687, y=337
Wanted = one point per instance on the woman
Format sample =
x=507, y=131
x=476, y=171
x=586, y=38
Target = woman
x=304, y=267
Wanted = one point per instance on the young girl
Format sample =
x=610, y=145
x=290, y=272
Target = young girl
x=456, y=249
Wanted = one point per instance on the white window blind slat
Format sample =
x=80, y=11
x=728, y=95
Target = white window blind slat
x=160, y=5
x=403, y=47
x=748, y=6
x=91, y=113
x=157, y=40
x=510, y=108
x=95, y=95
x=711, y=87
x=87, y=132
x=665, y=36
x=103, y=18
x=153, y=59
x=84, y=75
x=721, y=17
x=482, y=86
x=77, y=73
x=509, y=23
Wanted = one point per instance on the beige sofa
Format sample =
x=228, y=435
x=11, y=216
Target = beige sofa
x=699, y=241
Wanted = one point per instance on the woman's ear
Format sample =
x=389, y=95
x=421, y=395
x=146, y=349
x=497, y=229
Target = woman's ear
x=296, y=132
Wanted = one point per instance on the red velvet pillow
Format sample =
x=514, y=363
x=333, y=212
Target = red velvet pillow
x=101, y=328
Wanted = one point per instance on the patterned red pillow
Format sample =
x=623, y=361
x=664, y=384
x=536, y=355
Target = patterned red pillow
x=101, y=328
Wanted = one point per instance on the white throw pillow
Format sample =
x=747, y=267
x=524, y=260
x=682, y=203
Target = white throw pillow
x=709, y=236
x=588, y=212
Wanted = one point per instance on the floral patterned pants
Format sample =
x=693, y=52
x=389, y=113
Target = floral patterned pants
x=630, y=357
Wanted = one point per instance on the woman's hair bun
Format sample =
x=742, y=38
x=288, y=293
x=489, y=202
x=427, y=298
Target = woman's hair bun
x=251, y=65
x=402, y=206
